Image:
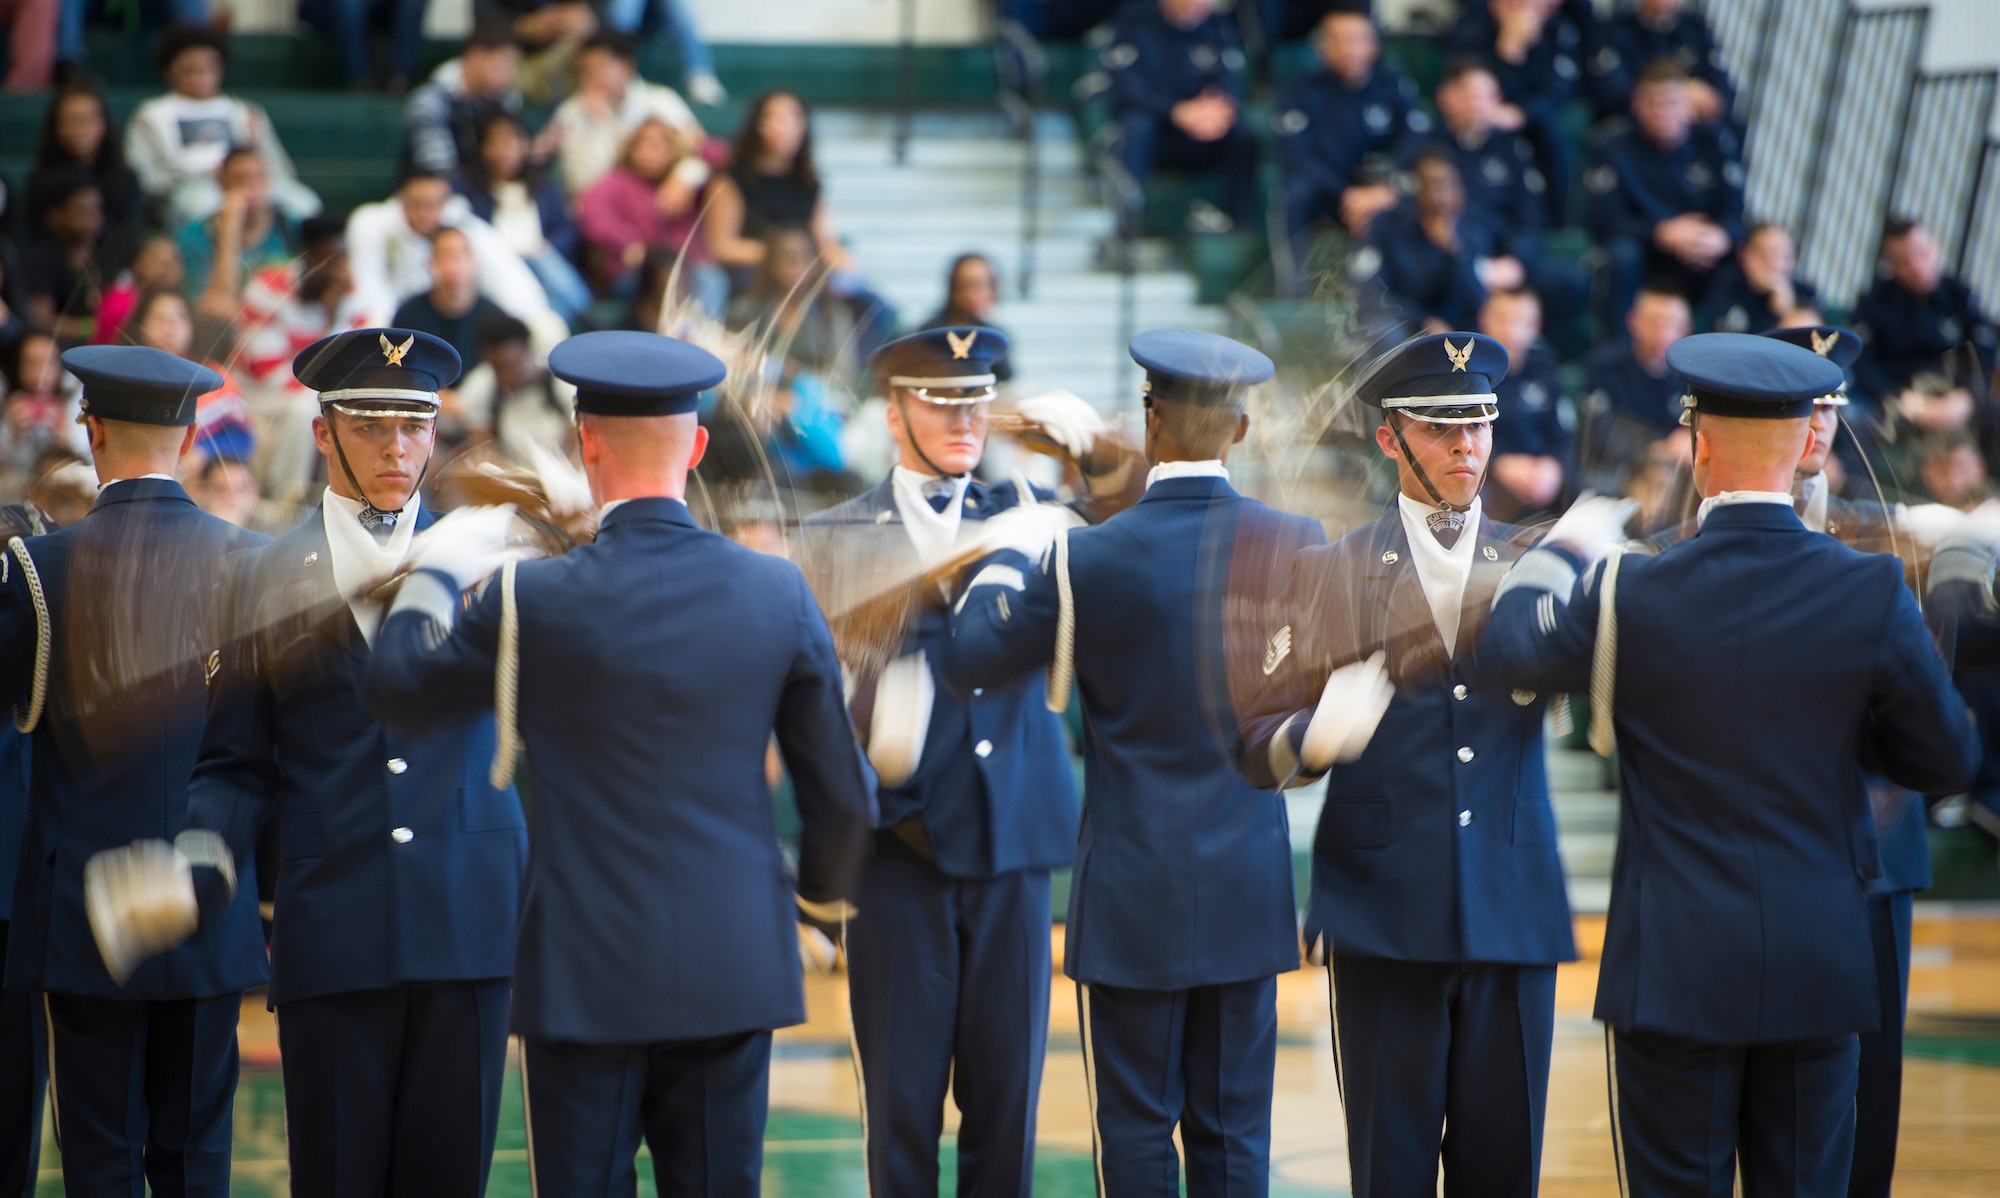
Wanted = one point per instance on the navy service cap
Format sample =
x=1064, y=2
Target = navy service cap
x=378, y=372
x=1442, y=378
x=1737, y=374
x=624, y=373
x=959, y=360
x=1183, y=366
x=1835, y=344
x=139, y=384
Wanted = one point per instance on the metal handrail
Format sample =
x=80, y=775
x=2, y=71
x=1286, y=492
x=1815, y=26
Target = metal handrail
x=1128, y=201
x=1023, y=68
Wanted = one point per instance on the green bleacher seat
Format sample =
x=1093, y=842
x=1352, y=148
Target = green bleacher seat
x=1223, y=262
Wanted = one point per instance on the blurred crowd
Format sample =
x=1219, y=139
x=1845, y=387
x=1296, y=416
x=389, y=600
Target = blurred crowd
x=547, y=187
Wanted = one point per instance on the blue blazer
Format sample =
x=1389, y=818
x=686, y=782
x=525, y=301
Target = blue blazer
x=656, y=663
x=1183, y=869
x=1438, y=843
x=1738, y=913
x=1011, y=806
x=134, y=592
x=289, y=739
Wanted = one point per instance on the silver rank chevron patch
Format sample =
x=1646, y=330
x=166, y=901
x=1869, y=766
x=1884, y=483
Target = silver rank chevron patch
x=211, y=668
x=1280, y=647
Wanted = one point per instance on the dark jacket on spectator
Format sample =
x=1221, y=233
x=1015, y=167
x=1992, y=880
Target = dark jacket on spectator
x=1625, y=45
x=1904, y=334
x=1634, y=184
x=1331, y=137
x=558, y=227
x=1414, y=275
x=1155, y=66
x=440, y=122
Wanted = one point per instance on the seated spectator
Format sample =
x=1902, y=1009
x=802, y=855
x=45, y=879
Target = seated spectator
x=1914, y=316
x=1178, y=80
x=224, y=487
x=452, y=310
x=676, y=19
x=15, y=312
x=592, y=126
x=549, y=33
x=1666, y=199
x=351, y=22
x=811, y=331
x=177, y=141
x=1505, y=193
x=1416, y=262
x=286, y=307
x=163, y=321
x=61, y=486
x=1952, y=470
x=1338, y=128
x=1059, y=20
x=1646, y=33
x=1632, y=402
x=65, y=269
x=157, y=266
x=389, y=253
x=246, y=234
x=511, y=398
x=1533, y=48
x=77, y=136
x=441, y=122
x=38, y=412
x=31, y=44
x=972, y=289
x=1531, y=440
x=644, y=205
x=527, y=210
x=1756, y=290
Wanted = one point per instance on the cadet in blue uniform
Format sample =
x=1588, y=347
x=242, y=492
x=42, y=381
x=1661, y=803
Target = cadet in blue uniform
x=1534, y=51
x=949, y=960
x=400, y=881
x=24, y=1053
x=649, y=671
x=1178, y=82
x=1914, y=317
x=1756, y=288
x=1420, y=262
x=1437, y=893
x=1666, y=196
x=1737, y=963
x=1181, y=912
x=1533, y=451
x=102, y=633
x=1626, y=43
x=1338, y=128
x=1631, y=401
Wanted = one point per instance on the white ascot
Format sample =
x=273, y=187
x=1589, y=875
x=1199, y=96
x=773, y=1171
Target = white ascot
x=1443, y=571
x=1731, y=498
x=934, y=533
x=359, y=561
x=1211, y=468
x=1812, y=493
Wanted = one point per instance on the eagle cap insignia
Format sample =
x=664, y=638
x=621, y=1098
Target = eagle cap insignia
x=1459, y=357
x=394, y=353
x=961, y=347
x=1281, y=645
x=1824, y=345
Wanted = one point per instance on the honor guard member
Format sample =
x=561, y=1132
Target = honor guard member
x=105, y=627
x=1178, y=83
x=400, y=879
x=24, y=1052
x=1666, y=195
x=1338, y=128
x=1437, y=894
x=1737, y=963
x=949, y=961
x=643, y=676
x=1181, y=913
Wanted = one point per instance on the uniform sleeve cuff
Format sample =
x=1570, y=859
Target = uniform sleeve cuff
x=430, y=592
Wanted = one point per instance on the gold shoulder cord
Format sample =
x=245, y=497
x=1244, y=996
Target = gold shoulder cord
x=40, y=692
x=506, y=686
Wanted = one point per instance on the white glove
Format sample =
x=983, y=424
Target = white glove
x=141, y=902
x=817, y=952
x=1981, y=525
x=1929, y=523
x=902, y=718
x=1028, y=529
x=1349, y=710
x=567, y=489
x=1065, y=419
x=467, y=545
x=1592, y=525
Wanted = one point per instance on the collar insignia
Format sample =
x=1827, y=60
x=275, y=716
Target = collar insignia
x=394, y=353
x=961, y=347
x=1459, y=357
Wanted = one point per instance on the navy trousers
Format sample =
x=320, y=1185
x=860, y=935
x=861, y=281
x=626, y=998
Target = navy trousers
x=1878, y=1096
x=699, y=1105
x=1152, y=142
x=394, y=1091
x=143, y=1090
x=24, y=1078
x=949, y=981
x=1686, y=1117
x=1442, y=1061
x=1201, y=1058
